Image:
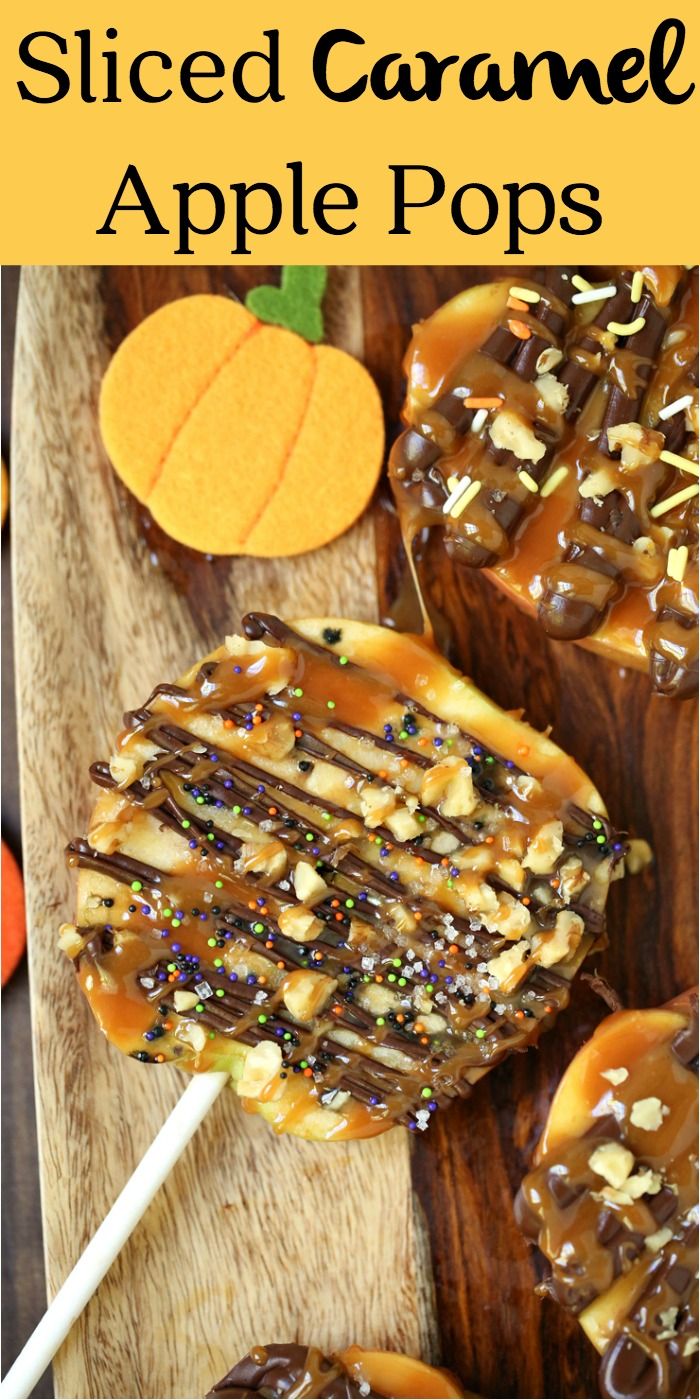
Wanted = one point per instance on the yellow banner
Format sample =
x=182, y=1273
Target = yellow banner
x=350, y=132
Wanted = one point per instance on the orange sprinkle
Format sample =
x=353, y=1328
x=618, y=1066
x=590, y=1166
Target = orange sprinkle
x=424, y=1040
x=519, y=329
x=422, y=742
x=403, y=763
x=335, y=903
x=228, y=724
x=489, y=840
x=272, y=811
x=298, y=733
x=381, y=773
x=307, y=1073
x=339, y=917
x=486, y=403
x=419, y=1027
x=251, y=903
x=264, y=909
x=444, y=861
x=167, y=1025
x=525, y=899
x=400, y=1017
x=337, y=1010
x=453, y=948
x=555, y=884
x=378, y=977
x=416, y=912
x=159, y=1059
x=520, y=1015
x=280, y=964
x=516, y=304
x=262, y=979
x=523, y=749
x=258, y=707
x=257, y=719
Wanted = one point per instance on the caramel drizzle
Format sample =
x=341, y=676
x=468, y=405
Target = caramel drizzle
x=362, y=895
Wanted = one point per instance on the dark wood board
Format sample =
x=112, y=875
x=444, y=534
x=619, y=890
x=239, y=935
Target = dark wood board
x=642, y=753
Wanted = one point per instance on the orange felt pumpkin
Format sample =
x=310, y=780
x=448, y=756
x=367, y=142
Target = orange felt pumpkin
x=5, y=495
x=14, y=933
x=241, y=437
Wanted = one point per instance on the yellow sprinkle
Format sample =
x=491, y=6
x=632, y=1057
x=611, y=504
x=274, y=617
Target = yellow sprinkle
x=554, y=481
x=637, y=287
x=524, y=294
x=631, y=328
x=683, y=463
x=458, y=486
x=677, y=562
x=581, y=284
x=595, y=294
x=677, y=500
x=472, y=491
x=528, y=481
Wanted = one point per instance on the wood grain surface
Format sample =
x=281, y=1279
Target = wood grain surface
x=256, y=1238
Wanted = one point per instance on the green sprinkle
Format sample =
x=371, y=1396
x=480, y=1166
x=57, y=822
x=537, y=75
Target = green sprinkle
x=402, y=981
x=176, y=923
x=199, y=1006
x=258, y=928
x=199, y=800
x=186, y=824
x=480, y=1033
x=326, y=816
x=395, y=962
x=167, y=913
x=236, y=810
x=450, y=883
x=210, y=836
x=330, y=704
x=287, y=1035
x=349, y=904
x=391, y=977
x=262, y=1019
x=211, y=942
x=365, y=977
x=304, y=1064
x=297, y=691
x=172, y=967
x=421, y=817
x=219, y=884
x=220, y=992
x=218, y=962
x=490, y=758
x=343, y=660
x=309, y=836
x=600, y=840
x=212, y=1034
x=597, y=826
x=136, y=886
x=403, y=734
x=380, y=1021
x=425, y=1093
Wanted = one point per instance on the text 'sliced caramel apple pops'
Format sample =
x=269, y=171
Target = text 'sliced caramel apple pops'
x=325, y=862
x=552, y=433
x=242, y=437
x=292, y=1369
x=613, y=1199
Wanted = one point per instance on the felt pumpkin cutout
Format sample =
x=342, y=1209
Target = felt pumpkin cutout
x=14, y=928
x=239, y=435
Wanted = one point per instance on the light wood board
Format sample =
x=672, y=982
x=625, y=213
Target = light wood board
x=254, y=1238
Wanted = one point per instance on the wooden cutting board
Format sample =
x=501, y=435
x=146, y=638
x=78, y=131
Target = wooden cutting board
x=256, y=1238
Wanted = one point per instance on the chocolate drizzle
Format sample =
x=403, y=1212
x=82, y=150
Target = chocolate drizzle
x=626, y=1260
x=287, y=1370
x=601, y=380
x=281, y=767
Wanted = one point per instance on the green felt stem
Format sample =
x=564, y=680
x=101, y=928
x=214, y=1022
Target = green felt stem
x=296, y=304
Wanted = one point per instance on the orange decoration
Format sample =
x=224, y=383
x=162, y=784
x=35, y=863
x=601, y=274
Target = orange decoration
x=5, y=494
x=14, y=927
x=240, y=437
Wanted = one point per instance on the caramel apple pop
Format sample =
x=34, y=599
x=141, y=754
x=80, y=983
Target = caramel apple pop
x=294, y=1370
x=613, y=1198
x=324, y=862
x=552, y=437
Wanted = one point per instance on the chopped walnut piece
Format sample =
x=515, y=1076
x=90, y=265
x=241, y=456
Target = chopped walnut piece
x=403, y=824
x=545, y=848
x=184, y=1001
x=512, y=918
x=305, y=993
x=510, y=966
x=613, y=1162
x=376, y=804
x=548, y=359
x=552, y=393
x=193, y=1035
x=308, y=884
x=511, y=433
x=561, y=942
x=657, y=1241
x=640, y=446
x=300, y=924
x=573, y=878
x=262, y=1065
x=647, y=1114
x=598, y=483
x=615, y=1076
x=449, y=786
x=269, y=859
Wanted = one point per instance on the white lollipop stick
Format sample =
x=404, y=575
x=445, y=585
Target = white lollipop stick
x=114, y=1231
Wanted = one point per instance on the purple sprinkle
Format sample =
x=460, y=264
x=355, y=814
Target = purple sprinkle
x=218, y=802
x=233, y=977
x=248, y=727
x=432, y=1105
x=261, y=787
x=423, y=974
x=394, y=875
x=237, y=670
x=204, y=917
x=192, y=845
x=219, y=845
x=251, y=979
x=618, y=846
x=454, y=871
x=196, y=792
x=228, y=782
x=164, y=932
x=315, y=851
x=179, y=913
x=438, y=743
x=176, y=947
x=146, y=909
x=260, y=901
x=434, y=977
x=296, y=716
x=247, y=811
x=449, y=980
x=214, y=757
x=411, y=1127
x=183, y=977
x=441, y=962
x=373, y=1100
x=162, y=976
x=148, y=1035
x=362, y=894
